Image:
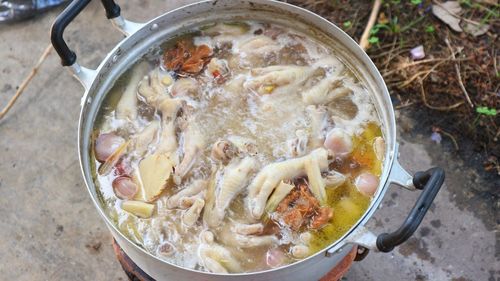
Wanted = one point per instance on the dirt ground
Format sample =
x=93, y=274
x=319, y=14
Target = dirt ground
x=50, y=230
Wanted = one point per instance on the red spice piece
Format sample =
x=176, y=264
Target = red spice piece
x=186, y=58
x=324, y=215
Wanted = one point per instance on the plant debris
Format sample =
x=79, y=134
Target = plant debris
x=417, y=53
x=457, y=84
x=448, y=12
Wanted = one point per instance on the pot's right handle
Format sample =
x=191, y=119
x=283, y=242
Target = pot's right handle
x=429, y=182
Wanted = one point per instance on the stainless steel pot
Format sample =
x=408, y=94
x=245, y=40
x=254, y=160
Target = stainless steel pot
x=141, y=37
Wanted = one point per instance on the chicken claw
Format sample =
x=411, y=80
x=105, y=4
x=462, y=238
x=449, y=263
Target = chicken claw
x=319, y=124
x=266, y=80
x=270, y=176
x=127, y=106
x=214, y=257
x=168, y=141
x=194, y=188
x=230, y=184
x=191, y=215
x=327, y=90
x=193, y=146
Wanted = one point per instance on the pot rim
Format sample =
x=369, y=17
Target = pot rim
x=391, y=148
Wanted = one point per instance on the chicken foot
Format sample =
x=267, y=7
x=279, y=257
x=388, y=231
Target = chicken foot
x=231, y=183
x=270, y=176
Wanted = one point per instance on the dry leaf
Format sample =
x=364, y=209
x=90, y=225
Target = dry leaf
x=447, y=12
x=476, y=29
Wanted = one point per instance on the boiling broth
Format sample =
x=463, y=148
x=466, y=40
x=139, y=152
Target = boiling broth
x=260, y=92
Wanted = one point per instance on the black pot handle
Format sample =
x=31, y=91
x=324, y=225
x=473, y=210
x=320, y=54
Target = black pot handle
x=68, y=57
x=430, y=183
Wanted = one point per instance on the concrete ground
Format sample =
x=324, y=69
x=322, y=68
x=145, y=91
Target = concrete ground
x=49, y=229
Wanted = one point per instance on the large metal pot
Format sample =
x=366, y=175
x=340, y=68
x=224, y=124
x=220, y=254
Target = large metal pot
x=140, y=37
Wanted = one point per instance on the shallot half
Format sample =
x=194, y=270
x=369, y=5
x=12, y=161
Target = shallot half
x=124, y=187
x=275, y=258
x=338, y=142
x=367, y=183
x=106, y=144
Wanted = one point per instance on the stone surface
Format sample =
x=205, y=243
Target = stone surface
x=50, y=230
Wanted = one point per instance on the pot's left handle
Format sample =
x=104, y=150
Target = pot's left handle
x=68, y=57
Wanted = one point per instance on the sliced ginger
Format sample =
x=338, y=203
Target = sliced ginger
x=138, y=208
x=154, y=172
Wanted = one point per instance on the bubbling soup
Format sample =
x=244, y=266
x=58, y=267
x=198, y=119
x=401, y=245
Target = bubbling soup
x=237, y=147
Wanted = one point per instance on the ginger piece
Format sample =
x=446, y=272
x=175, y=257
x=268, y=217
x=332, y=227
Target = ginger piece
x=138, y=208
x=154, y=171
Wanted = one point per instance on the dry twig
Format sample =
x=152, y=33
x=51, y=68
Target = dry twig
x=363, y=42
x=26, y=81
x=406, y=65
x=455, y=144
x=417, y=75
x=440, y=108
x=459, y=76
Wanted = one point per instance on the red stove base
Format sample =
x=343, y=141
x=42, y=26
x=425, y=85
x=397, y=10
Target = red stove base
x=134, y=273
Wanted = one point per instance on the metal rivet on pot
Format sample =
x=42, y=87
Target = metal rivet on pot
x=115, y=58
x=154, y=26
